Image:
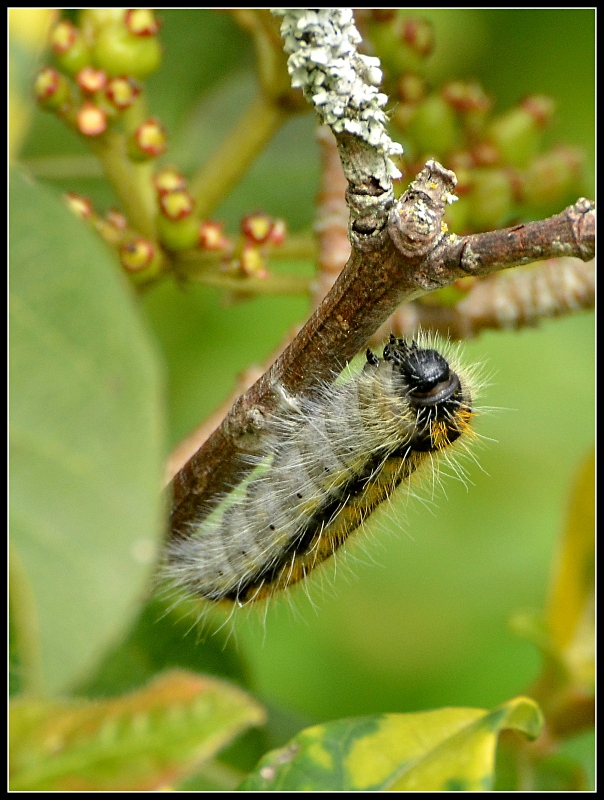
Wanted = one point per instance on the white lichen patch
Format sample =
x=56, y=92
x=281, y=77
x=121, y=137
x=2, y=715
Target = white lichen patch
x=340, y=82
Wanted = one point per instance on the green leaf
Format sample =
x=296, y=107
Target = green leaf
x=444, y=750
x=167, y=635
x=141, y=741
x=85, y=440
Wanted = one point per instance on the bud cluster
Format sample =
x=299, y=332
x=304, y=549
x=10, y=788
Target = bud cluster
x=503, y=172
x=98, y=68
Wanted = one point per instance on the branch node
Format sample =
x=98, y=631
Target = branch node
x=416, y=225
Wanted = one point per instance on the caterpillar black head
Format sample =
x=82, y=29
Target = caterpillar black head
x=431, y=387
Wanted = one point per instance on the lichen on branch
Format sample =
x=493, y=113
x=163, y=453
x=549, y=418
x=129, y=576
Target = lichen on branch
x=340, y=82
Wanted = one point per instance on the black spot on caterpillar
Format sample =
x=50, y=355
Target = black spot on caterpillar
x=327, y=463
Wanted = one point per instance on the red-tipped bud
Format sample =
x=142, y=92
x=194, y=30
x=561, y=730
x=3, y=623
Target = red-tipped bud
x=251, y=262
x=167, y=180
x=212, y=237
x=70, y=48
x=485, y=154
x=176, y=205
x=137, y=254
x=93, y=19
x=91, y=120
x=116, y=219
x=256, y=227
x=419, y=35
x=122, y=92
x=80, y=206
x=466, y=97
x=91, y=80
x=141, y=22
x=278, y=232
x=148, y=141
x=63, y=36
x=540, y=107
x=51, y=89
x=553, y=178
x=411, y=88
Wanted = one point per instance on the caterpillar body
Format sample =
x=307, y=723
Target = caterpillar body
x=326, y=465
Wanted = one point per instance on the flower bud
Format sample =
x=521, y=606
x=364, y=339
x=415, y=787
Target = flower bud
x=212, y=237
x=52, y=89
x=137, y=254
x=418, y=33
x=411, y=88
x=120, y=52
x=168, y=179
x=91, y=120
x=80, y=206
x=278, y=232
x=466, y=96
x=141, y=22
x=517, y=134
x=116, y=219
x=553, y=179
x=69, y=46
x=251, y=262
x=91, y=80
x=176, y=205
x=122, y=92
x=540, y=107
x=256, y=227
x=177, y=226
x=93, y=19
x=491, y=199
x=485, y=154
x=148, y=141
x=434, y=128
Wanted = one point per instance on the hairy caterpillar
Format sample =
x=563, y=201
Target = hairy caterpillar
x=327, y=463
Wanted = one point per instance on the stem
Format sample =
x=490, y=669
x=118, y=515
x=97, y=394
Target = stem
x=25, y=618
x=234, y=156
x=274, y=284
x=131, y=182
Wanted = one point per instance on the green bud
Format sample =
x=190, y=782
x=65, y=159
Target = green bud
x=52, y=89
x=434, y=128
x=491, y=199
x=552, y=180
x=69, y=47
x=517, y=134
x=120, y=52
x=179, y=234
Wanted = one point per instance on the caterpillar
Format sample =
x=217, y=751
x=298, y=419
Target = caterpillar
x=327, y=463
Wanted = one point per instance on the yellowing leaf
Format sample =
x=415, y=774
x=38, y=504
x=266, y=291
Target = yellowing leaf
x=141, y=741
x=570, y=613
x=446, y=749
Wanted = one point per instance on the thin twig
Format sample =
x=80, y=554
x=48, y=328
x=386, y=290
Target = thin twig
x=506, y=300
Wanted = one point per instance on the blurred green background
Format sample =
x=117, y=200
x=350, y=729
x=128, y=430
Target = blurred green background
x=416, y=616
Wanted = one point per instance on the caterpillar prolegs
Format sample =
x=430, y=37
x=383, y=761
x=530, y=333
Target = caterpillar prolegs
x=327, y=463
